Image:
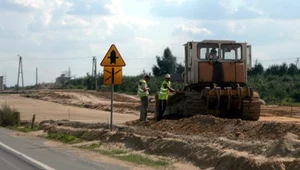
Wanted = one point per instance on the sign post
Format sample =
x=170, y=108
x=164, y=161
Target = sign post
x=113, y=63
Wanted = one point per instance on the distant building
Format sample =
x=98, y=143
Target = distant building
x=62, y=80
x=1, y=83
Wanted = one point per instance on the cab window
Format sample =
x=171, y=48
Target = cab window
x=231, y=51
x=205, y=49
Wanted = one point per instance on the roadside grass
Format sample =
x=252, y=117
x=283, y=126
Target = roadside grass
x=65, y=138
x=9, y=116
x=25, y=129
x=287, y=103
x=125, y=155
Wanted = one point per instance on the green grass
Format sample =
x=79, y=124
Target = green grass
x=143, y=160
x=286, y=103
x=9, y=116
x=95, y=147
x=65, y=138
x=23, y=129
x=127, y=156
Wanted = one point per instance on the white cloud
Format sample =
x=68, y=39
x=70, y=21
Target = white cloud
x=236, y=28
x=48, y=29
x=115, y=7
x=145, y=40
x=192, y=29
x=37, y=4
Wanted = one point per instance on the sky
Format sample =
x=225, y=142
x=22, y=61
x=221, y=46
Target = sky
x=53, y=35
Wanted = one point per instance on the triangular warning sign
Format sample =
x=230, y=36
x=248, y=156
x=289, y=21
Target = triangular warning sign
x=113, y=58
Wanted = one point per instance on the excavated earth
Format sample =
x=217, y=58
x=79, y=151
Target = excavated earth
x=205, y=141
x=129, y=103
x=92, y=100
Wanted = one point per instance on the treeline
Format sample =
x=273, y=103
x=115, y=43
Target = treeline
x=278, y=84
x=166, y=64
x=129, y=84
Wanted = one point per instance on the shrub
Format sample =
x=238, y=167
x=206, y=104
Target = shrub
x=9, y=116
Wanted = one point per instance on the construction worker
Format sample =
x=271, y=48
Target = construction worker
x=143, y=92
x=213, y=55
x=163, y=96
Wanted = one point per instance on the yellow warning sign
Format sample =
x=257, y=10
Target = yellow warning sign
x=112, y=75
x=113, y=58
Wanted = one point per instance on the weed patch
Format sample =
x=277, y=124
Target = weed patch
x=66, y=138
x=127, y=156
x=23, y=129
x=9, y=116
x=143, y=160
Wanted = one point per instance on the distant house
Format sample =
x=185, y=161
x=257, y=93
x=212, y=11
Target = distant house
x=1, y=83
x=62, y=80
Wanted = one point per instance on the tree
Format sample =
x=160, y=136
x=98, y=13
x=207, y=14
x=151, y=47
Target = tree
x=258, y=69
x=292, y=70
x=89, y=82
x=179, y=68
x=283, y=69
x=166, y=64
x=273, y=69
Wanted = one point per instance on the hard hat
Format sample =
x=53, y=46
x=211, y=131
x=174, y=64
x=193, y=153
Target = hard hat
x=167, y=76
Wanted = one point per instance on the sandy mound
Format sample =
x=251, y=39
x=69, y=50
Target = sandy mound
x=210, y=125
x=218, y=152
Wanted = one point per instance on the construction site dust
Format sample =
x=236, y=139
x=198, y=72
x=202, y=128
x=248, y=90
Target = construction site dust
x=206, y=141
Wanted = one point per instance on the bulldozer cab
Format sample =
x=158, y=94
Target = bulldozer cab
x=217, y=61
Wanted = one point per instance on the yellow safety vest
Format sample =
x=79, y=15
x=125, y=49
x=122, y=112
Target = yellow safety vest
x=164, y=92
x=140, y=90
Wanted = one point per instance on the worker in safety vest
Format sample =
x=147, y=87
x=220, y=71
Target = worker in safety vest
x=163, y=96
x=143, y=93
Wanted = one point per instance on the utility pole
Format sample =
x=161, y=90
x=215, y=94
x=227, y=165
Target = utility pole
x=69, y=77
x=256, y=62
x=36, y=73
x=94, y=71
x=4, y=80
x=20, y=71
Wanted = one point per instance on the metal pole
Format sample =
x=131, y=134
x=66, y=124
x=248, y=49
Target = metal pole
x=18, y=73
x=112, y=107
x=22, y=74
x=36, y=76
x=96, y=84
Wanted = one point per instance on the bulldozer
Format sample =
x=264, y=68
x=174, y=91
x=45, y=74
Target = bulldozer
x=215, y=80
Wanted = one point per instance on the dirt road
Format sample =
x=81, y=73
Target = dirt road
x=129, y=104
x=48, y=110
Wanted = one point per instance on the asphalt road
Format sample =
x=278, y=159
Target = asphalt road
x=9, y=161
x=25, y=153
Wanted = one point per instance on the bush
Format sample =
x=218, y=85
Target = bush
x=9, y=116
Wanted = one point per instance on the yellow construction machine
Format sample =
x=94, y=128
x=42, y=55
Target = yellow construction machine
x=216, y=82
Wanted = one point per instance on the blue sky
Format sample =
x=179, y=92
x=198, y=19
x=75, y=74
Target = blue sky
x=54, y=35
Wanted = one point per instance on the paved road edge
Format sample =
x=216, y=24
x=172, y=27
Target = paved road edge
x=25, y=158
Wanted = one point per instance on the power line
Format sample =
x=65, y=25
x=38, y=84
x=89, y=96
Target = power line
x=67, y=58
x=278, y=59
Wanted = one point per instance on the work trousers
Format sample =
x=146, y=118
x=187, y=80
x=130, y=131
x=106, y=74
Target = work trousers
x=144, y=108
x=162, y=107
